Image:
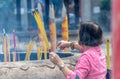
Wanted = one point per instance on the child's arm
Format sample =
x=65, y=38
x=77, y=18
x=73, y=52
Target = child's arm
x=81, y=70
x=64, y=44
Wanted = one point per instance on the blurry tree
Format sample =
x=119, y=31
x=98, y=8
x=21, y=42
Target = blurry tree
x=18, y=14
x=105, y=4
x=29, y=7
x=76, y=11
x=105, y=16
x=46, y=18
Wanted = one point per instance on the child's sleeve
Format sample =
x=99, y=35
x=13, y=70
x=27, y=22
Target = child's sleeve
x=82, y=68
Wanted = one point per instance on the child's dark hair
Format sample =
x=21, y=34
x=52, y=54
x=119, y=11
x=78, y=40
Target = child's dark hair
x=90, y=34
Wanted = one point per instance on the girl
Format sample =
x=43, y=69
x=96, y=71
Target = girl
x=92, y=62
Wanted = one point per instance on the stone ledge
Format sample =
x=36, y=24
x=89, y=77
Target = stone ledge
x=42, y=69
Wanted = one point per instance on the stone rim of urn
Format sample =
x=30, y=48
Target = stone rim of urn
x=36, y=69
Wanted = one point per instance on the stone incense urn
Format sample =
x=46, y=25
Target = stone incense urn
x=36, y=69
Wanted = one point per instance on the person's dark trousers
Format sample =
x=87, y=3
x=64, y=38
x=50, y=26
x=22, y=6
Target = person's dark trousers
x=108, y=75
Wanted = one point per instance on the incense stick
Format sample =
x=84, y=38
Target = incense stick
x=29, y=49
x=65, y=31
x=39, y=54
x=9, y=49
x=108, y=54
x=14, y=41
x=45, y=51
x=4, y=45
x=7, y=55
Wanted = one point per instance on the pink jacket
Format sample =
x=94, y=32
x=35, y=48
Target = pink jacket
x=91, y=65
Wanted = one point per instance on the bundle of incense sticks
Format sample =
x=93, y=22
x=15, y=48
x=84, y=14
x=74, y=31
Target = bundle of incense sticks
x=52, y=27
x=5, y=45
x=65, y=31
x=53, y=36
x=42, y=32
x=42, y=47
x=108, y=54
x=39, y=53
x=29, y=49
x=41, y=27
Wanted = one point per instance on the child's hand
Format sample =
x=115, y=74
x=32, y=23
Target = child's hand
x=55, y=59
x=63, y=44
